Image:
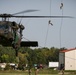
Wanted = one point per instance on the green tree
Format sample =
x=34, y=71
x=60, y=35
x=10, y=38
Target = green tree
x=22, y=60
x=5, y=58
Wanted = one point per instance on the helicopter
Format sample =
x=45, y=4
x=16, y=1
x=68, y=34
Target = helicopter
x=11, y=32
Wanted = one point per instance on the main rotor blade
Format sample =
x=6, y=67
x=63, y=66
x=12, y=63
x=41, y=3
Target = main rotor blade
x=25, y=11
x=42, y=16
x=9, y=16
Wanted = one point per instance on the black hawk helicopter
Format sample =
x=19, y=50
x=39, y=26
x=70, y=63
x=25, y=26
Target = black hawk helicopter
x=11, y=32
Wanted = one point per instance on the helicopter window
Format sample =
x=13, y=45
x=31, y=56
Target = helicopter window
x=4, y=27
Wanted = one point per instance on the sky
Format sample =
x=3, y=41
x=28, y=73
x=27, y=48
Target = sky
x=37, y=29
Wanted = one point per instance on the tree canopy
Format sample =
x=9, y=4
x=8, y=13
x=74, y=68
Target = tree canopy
x=28, y=55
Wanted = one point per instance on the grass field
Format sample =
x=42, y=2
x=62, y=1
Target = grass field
x=23, y=73
x=31, y=74
x=41, y=72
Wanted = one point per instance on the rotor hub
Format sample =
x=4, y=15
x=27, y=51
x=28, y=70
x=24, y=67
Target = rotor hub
x=5, y=15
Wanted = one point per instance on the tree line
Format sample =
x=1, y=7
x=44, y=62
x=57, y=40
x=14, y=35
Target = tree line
x=27, y=55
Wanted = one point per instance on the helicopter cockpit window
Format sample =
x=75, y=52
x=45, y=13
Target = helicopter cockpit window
x=4, y=26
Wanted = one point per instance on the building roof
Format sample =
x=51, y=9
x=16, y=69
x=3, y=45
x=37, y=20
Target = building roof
x=67, y=50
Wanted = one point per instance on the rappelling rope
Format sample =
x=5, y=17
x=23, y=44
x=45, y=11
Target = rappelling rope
x=49, y=23
x=46, y=35
x=61, y=8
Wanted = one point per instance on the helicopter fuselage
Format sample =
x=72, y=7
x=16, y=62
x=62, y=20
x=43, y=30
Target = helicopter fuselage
x=10, y=33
